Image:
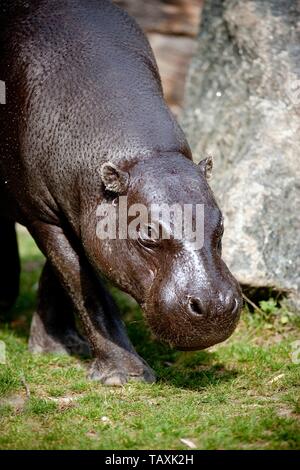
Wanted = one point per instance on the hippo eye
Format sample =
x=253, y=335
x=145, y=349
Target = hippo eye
x=148, y=235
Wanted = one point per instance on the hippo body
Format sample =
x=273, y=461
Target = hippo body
x=84, y=122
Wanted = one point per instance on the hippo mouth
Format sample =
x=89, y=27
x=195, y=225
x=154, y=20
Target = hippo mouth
x=187, y=332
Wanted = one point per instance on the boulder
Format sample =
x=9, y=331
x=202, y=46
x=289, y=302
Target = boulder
x=242, y=106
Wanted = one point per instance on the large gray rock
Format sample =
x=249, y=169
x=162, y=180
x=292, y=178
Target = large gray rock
x=243, y=107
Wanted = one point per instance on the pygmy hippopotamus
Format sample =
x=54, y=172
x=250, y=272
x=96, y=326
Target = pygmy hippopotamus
x=85, y=123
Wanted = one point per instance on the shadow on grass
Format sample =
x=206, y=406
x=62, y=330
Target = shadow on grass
x=198, y=380
x=189, y=370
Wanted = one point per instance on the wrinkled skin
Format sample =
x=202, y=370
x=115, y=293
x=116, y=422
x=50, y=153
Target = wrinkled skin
x=85, y=122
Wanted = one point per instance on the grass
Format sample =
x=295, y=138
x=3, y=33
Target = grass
x=242, y=394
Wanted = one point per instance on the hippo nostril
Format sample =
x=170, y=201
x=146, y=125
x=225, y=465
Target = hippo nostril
x=195, y=306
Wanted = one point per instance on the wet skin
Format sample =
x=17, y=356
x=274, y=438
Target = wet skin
x=86, y=122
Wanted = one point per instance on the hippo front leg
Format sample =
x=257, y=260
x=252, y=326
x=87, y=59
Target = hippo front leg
x=116, y=361
x=53, y=327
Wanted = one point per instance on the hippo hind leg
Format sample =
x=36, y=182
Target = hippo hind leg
x=53, y=328
x=9, y=264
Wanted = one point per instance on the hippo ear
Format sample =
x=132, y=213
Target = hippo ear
x=206, y=167
x=113, y=178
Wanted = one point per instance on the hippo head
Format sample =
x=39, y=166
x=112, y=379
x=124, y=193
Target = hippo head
x=188, y=295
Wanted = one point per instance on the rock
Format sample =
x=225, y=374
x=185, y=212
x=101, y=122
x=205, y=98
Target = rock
x=243, y=107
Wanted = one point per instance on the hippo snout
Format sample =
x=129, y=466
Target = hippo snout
x=230, y=305
x=194, y=321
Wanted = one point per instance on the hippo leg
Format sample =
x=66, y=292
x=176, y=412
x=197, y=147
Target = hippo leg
x=9, y=264
x=53, y=327
x=115, y=361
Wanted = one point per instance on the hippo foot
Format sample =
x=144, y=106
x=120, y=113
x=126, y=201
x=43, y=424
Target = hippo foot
x=68, y=342
x=116, y=375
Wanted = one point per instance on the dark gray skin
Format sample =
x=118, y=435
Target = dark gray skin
x=85, y=121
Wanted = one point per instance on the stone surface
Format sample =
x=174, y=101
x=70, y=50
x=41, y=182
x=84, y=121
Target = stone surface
x=243, y=107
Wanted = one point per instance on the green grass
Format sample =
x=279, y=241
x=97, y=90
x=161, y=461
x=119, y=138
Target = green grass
x=242, y=394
